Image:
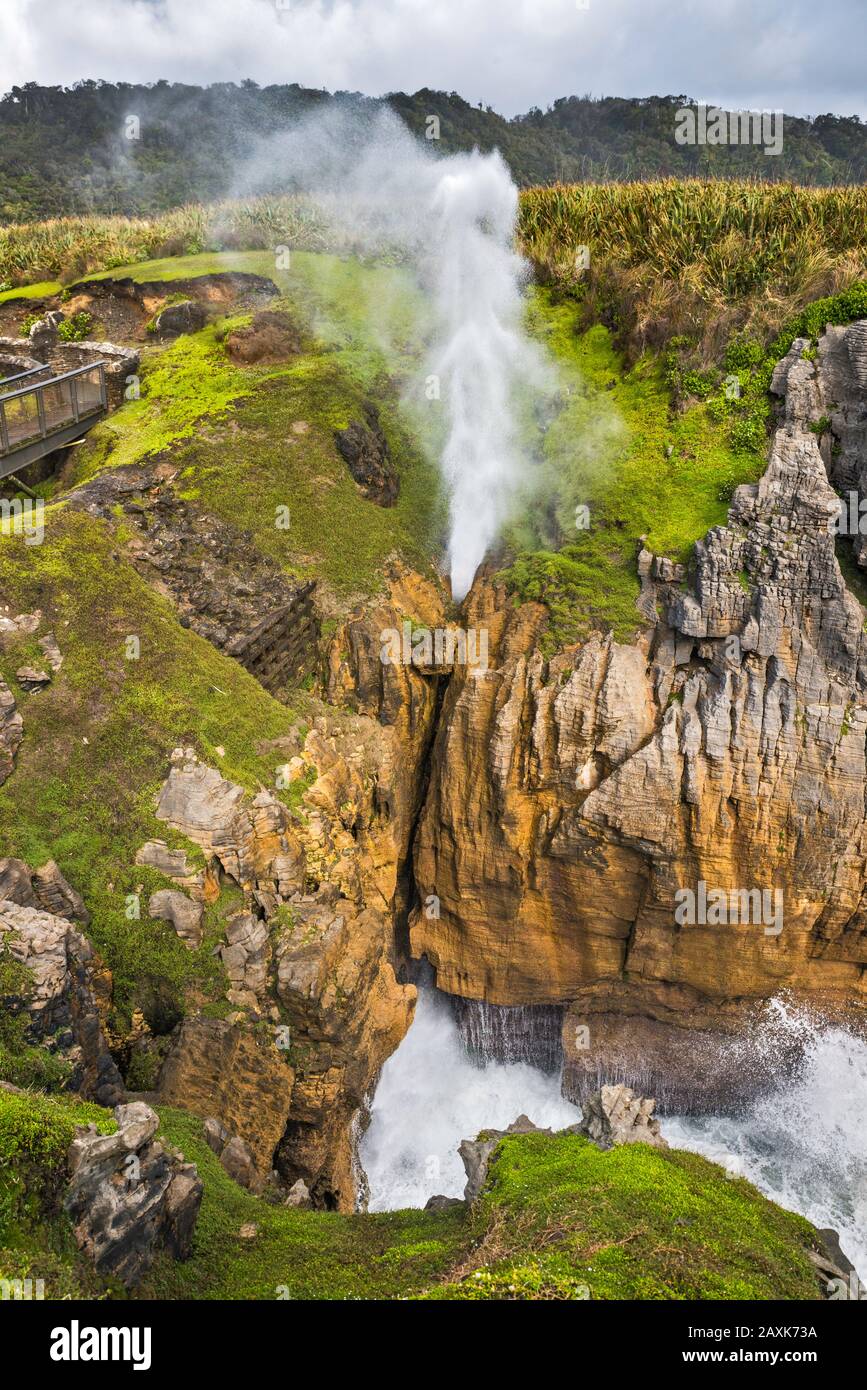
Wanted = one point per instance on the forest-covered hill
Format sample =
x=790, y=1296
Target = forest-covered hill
x=67, y=149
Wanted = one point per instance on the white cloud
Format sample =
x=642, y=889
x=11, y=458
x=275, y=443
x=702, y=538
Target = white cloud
x=794, y=54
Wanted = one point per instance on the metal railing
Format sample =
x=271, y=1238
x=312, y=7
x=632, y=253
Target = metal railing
x=38, y=412
x=19, y=376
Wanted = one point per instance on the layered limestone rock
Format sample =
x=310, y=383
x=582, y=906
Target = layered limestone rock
x=311, y=958
x=236, y=1075
x=129, y=1197
x=576, y=804
x=11, y=731
x=347, y=1015
x=68, y=995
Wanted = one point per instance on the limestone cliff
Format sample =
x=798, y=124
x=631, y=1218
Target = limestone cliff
x=311, y=956
x=571, y=801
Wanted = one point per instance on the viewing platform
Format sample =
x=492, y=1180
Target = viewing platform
x=41, y=411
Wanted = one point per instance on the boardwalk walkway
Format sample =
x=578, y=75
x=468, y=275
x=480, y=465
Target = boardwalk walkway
x=40, y=412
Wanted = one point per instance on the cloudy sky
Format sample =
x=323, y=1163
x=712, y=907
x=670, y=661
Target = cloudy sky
x=801, y=56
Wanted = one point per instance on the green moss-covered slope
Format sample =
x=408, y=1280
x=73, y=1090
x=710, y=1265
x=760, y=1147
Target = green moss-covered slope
x=247, y=440
x=562, y=1219
x=640, y=468
x=559, y=1220
x=98, y=740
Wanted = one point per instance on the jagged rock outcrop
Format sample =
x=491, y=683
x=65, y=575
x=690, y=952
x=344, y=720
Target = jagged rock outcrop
x=235, y=1075
x=129, y=1197
x=11, y=731
x=45, y=888
x=32, y=679
x=476, y=1153
x=574, y=802
x=347, y=1013
x=312, y=954
x=251, y=838
x=615, y=1115
x=184, y=914
x=363, y=447
x=68, y=997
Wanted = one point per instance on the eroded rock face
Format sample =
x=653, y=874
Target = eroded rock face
x=573, y=801
x=236, y=1076
x=312, y=959
x=347, y=1014
x=250, y=837
x=70, y=989
x=362, y=446
x=221, y=585
x=11, y=731
x=615, y=1115
x=129, y=1197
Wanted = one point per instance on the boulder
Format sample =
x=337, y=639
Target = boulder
x=11, y=731
x=237, y=1159
x=128, y=1197
x=363, y=447
x=441, y=1203
x=155, y=854
x=31, y=679
x=615, y=1115
x=476, y=1153
x=57, y=896
x=68, y=987
x=44, y=888
x=187, y=316
x=299, y=1196
x=16, y=883
x=184, y=915
x=216, y=1135
x=246, y=954
x=51, y=651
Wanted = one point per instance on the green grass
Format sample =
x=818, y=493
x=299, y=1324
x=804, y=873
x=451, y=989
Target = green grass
x=297, y=1254
x=230, y=429
x=43, y=289
x=561, y=1219
x=190, y=381
x=98, y=742
x=641, y=469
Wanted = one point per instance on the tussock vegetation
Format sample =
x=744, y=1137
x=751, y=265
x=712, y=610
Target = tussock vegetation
x=67, y=248
x=694, y=257
x=675, y=257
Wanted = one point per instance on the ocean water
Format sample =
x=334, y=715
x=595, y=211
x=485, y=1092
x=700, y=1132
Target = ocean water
x=803, y=1142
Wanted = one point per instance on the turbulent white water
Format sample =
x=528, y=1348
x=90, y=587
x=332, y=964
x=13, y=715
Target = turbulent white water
x=804, y=1143
x=431, y=1096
